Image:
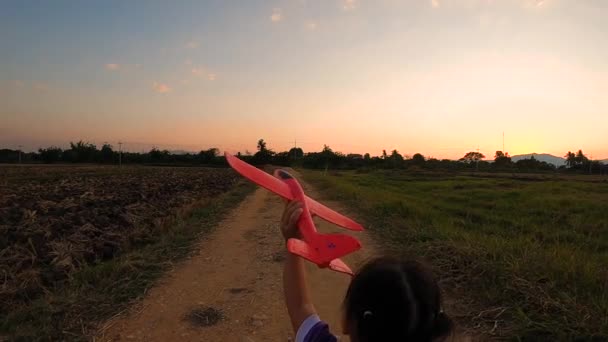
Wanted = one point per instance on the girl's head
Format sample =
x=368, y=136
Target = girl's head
x=392, y=300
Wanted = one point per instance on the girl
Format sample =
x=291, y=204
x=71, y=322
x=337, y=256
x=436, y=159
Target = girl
x=387, y=300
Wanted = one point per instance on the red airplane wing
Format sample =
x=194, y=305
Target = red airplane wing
x=280, y=188
x=259, y=177
x=332, y=216
x=301, y=248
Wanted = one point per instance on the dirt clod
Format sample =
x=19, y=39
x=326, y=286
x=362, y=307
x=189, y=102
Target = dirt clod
x=236, y=290
x=278, y=256
x=205, y=316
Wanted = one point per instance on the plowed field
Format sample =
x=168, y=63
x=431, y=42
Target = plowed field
x=56, y=220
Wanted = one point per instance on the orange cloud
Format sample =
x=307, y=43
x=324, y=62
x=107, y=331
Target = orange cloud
x=41, y=87
x=112, y=66
x=311, y=25
x=161, y=88
x=203, y=72
x=277, y=15
x=198, y=71
x=192, y=44
x=536, y=3
x=349, y=5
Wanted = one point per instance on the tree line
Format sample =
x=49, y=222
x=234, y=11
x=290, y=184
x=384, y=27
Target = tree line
x=327, y=158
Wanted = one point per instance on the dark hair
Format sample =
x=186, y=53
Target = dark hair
x=393, y=300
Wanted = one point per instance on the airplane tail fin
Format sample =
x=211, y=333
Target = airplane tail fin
x=326, y=250
x=339, y=266
x=334, y=246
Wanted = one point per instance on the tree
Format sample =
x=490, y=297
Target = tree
x=263, y=155
x=418, y=159
x=570, y=159
x=502, y=159
x=580, y=158
x=296, y=153
x=472, y=157
x=532, y=164
x=107, y=154
x=208, y=156
x=576, y=160
x=50, y=155
x=367, y=157
x=82, y=151
x=395, y=159
x=329, y=157
x=396, y=156
x=157, y=155
x=384, y=155
x=261, y=145
x=8, y=155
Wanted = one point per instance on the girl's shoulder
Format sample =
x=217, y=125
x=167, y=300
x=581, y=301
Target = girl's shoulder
x=313, y=329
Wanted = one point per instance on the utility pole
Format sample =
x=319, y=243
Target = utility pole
x=20, y=146
x=120, y=154
x=477, y=163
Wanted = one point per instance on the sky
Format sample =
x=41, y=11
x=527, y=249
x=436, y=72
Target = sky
x=439, y=77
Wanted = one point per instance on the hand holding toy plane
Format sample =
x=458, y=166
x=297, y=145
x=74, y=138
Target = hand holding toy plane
x=325, y=250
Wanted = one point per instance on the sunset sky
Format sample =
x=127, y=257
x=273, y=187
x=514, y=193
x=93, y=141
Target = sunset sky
x=440, y=77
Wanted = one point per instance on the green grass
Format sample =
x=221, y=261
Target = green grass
x=535, y=248
x=98, y=292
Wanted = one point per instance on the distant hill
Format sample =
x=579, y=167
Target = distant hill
x=549, y=158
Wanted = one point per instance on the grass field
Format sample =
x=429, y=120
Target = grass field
x=79, y=244
x=526, y=257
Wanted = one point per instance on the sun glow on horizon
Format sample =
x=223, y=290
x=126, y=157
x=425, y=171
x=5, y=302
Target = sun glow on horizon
x=439, y=77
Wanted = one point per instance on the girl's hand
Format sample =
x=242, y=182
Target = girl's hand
x=291, y=214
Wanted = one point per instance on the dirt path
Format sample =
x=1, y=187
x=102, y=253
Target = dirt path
x=238, y=271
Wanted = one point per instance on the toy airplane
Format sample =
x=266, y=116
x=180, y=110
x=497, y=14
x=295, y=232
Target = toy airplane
x=324, y=250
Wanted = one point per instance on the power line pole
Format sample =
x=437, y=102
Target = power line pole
x=20, y=146
x=120, y=154
x=477, y=158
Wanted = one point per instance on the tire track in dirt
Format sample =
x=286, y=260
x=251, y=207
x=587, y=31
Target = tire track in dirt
x=238, y=271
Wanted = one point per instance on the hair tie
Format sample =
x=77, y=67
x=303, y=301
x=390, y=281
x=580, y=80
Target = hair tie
x=367, y=314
